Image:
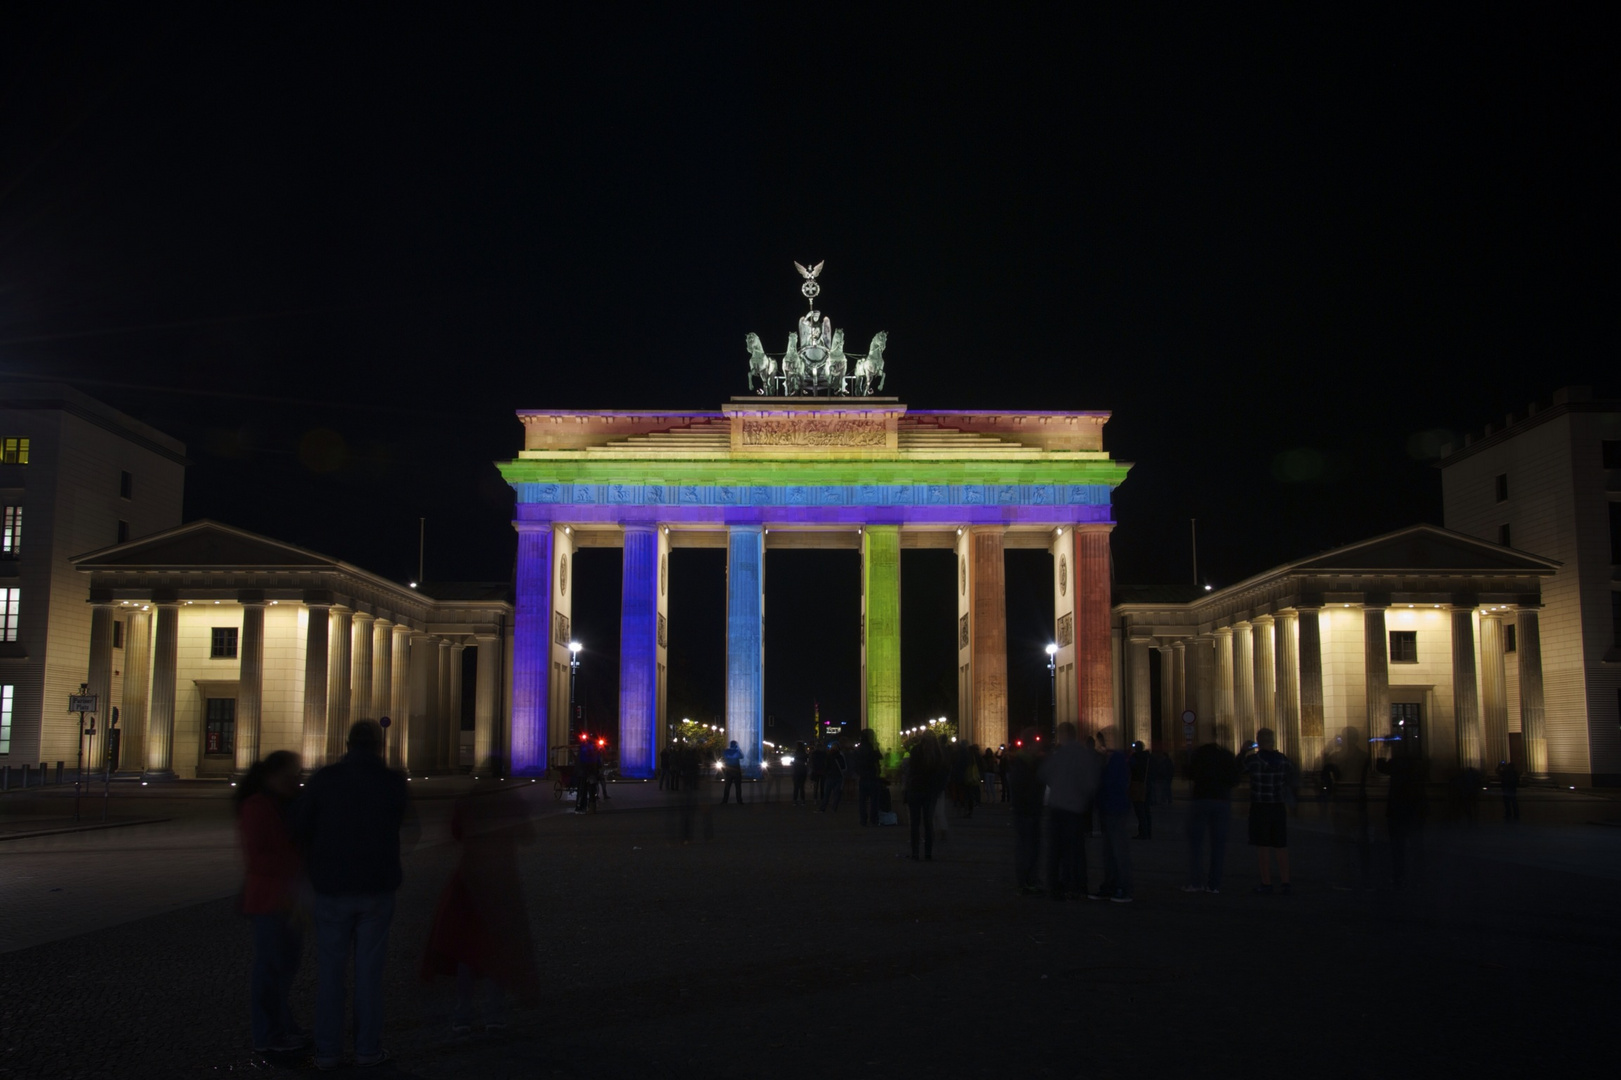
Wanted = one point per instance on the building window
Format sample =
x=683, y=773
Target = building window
x=1615, y=533
x=1404, y=646
x=1612, y=453
x=126, y=485
x=222, y=644
x=10, y=601
x=1502, y=487
x=219, y=732
x=7, y=694
x=1510, y=641
x=1503, y=535
x=118, y=633
x=123, y=532
x=1615, y=619
x=11, y=533
x=14, y=451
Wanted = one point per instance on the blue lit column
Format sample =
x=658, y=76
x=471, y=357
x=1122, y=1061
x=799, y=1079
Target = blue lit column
x=638, y=651
x=530, y=649
x=745, y=644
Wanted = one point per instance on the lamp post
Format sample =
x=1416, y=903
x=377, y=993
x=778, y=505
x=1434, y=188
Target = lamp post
x=1052, y=675
x=574, y=648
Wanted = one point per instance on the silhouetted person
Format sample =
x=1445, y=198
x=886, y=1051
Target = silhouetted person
x=1406, y=806
x=349, y=819
x=1270, y=776
x=688, y=765
x=587, y=771
x=731, y=773
x=1161, y=774
x=1353, y=839
x=664, y=768
x=480, y=933
x=1466, y=790
x=818, y=773
x=925, y=773
x=865, y=759
x=1509, y=778
x=1001, y=771
x=987, y=772
x=274, y=871
x=1025, y=791
x=1114, y=807
x=1214, y=772
x=801, y=771
x=1070, y=773
x=833, y=791
x=1138, y=761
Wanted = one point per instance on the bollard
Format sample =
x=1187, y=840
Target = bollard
x=25, y=777
x=58, y=774
x=5, y=778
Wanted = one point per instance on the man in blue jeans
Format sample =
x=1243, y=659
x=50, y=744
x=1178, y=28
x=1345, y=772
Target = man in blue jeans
x=1213, y=770
x=349, y=820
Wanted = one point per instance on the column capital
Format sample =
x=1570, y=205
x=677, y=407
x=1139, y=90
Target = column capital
x=482, y=638
x=1104, y=527
x=1262, y=620
x=323, y=605
x=364, y=616
x=1221, y=631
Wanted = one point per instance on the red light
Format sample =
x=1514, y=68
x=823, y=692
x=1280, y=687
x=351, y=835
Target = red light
x=1018, y=742
x=602, y=742
x=585, y=738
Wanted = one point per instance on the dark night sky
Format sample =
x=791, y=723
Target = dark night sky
x=332, y=248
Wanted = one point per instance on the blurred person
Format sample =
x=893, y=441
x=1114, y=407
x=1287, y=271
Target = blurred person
x=587, y=772
x=1162, y=773
x=1138, y=761
x=1508, y=778
x=1001, y=771
x=1270, y=776
x=987, y=773
x=1113, y=806
x=1070, y=774
x=818, y=772
x=924, y=774
x=865, y=759
x=480, y=932
x=1406, y=806
x=350, y=818
x=1214, y=772
x=833, y=783
x=1353, y=841
x=731, y=772
x=1025, y=793
x=801, y=771
x=1466, y=785
x=270, y=894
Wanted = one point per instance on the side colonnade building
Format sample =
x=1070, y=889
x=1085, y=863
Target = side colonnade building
x=839, y=472
x=1424, y=640
x=219, y=646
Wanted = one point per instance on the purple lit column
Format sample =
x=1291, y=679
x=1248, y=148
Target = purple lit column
x=531, y=649
x=745, y=655
x=638, y=651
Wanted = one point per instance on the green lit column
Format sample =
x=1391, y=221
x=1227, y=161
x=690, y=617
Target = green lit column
x=881, y=631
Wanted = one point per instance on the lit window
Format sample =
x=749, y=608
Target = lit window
x=11, y=533
x=14, y=451
x=219, y=727
x=1404, y=646
x=10, y=601
x=222, y=644
x=7, y=693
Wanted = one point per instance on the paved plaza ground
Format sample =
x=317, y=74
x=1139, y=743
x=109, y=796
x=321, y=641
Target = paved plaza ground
x=792, y=943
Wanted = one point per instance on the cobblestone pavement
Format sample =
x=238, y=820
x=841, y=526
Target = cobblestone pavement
x=794, y=943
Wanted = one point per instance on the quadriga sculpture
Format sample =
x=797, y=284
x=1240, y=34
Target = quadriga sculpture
x=793, y=365
x=872, y=366
x=837, y=363
x=761, y=366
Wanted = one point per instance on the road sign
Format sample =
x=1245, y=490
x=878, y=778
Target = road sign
x=81, y=703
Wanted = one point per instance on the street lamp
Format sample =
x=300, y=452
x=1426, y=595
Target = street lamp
x=1052, y=675
x=574, y=648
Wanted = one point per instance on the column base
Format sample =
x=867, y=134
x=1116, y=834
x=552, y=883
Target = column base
x=159, y=776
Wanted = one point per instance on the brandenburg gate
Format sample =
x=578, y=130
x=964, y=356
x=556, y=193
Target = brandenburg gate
x=812, y=459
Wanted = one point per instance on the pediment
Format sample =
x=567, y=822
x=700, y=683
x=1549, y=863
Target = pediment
x=202, y=545
x=1425, y=548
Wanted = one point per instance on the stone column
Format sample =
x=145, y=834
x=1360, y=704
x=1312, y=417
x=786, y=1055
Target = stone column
x=881, y=632
x=444, y=754
x=1244, y=683
x=532, y=650
x=1311, y=689
x=250, y=694
x=398, y=738
x=1376, y=670
x=137, y=688
x=421, y=738
x=165, y=663
x=485, y=741
x=1142, y=701
x=981, y=637
x=1465, y=690
x=360, y=676
x=317, y=648
x=1093, y=647
x=1169, y=712
x=100, y=682
x=1201, y=660
x=1493, y=691
x=1066, y=591
x=1264, y=679
x=453, y=714
x=638, y=652
x=340, y=677
x=1528, y=647
x=1286, y=681
x=1224, y=687
x=745, y=641
x=382, y=670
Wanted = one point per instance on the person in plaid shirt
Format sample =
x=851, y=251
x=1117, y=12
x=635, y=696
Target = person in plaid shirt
x=1271, y=777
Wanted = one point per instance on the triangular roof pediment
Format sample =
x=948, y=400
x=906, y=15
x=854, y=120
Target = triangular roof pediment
x=203, y=545
x=1424, y=548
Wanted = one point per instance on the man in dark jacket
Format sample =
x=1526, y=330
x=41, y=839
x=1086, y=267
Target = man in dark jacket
x=1214, y=772
x=1114, y=806
x=349, y=820
x=1025, y=792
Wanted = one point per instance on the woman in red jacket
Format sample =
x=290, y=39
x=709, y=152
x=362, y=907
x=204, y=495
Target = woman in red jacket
x=269, y=895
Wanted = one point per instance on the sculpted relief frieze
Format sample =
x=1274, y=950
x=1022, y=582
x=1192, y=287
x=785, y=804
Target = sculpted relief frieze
x=845, y=431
